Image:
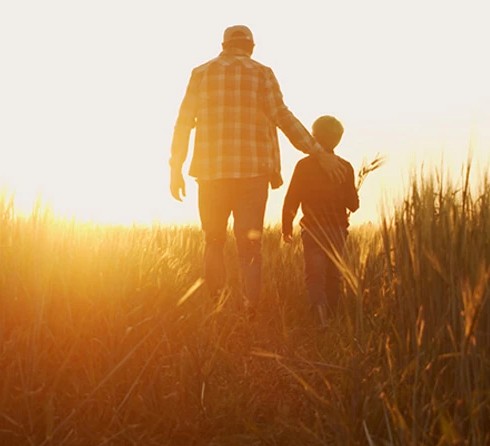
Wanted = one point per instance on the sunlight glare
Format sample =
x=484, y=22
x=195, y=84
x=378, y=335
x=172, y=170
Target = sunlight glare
x=88, y=117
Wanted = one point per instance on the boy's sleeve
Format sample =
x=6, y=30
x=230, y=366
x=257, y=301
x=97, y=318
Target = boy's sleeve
x=291, y=202
x=352, y=197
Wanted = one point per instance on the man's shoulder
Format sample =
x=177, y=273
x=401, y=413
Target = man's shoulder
x=204, y=66
x=260, y=64
x=224, y=60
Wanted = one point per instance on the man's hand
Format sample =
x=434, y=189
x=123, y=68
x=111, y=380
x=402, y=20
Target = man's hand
x=332, y=165
x=177, y=184
x=287, y=238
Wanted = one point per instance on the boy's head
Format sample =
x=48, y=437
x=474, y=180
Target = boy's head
x=328, y=131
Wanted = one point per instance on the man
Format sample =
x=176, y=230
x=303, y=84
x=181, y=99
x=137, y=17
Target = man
x=235, y=105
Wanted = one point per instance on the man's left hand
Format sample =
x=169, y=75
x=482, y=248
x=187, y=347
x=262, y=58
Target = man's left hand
x=177, y=184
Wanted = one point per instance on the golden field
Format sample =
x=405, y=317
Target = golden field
x=107, y=337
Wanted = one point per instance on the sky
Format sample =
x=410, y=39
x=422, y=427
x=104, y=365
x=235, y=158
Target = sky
x=90, y=90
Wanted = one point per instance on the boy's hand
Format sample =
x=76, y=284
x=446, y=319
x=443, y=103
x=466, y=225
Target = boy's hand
x=287, y=238
x=331, y=165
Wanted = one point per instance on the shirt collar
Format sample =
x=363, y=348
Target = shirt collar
x=235, y=52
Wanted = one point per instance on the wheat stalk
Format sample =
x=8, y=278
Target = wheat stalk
x=367, y=168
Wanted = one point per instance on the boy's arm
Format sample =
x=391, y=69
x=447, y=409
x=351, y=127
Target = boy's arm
x=291, y=203
x=352, y=197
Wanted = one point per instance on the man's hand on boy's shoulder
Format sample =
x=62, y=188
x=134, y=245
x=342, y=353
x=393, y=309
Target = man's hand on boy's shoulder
x=332, y=165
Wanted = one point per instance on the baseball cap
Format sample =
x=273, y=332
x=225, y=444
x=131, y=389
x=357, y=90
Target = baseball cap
x=237, y=32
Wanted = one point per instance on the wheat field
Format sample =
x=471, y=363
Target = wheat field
x=107, y=336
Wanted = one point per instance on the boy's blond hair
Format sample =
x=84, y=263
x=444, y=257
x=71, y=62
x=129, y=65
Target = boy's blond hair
x=328, y=131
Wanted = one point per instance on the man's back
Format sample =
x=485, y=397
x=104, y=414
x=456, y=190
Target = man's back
x=235, y=105
x=235, y=136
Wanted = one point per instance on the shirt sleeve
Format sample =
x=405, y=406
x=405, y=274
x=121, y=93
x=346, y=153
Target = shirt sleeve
x=292, y=201
x=351, y=195
x=186, y=121
x=282, y=117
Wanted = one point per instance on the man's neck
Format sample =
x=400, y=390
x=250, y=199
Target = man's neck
x=235, y=52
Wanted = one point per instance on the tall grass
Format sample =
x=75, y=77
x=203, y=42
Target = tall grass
x=108, y=338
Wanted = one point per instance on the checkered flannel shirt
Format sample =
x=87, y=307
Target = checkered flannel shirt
x=235, y=105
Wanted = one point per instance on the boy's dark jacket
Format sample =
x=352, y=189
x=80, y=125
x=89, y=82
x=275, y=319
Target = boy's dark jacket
x=324, y=201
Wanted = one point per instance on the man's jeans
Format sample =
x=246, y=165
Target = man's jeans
x=322, y=276
x=245, y=198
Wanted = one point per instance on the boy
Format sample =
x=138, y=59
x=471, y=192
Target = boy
x=324, y=203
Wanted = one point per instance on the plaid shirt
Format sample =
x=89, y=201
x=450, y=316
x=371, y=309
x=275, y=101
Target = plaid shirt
x=235, y=104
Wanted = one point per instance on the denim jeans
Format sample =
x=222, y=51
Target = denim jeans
x=322, y=276
x=245, y=198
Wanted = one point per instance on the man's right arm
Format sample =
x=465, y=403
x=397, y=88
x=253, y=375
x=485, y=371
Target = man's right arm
x=283, y=118
x=294, y=130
